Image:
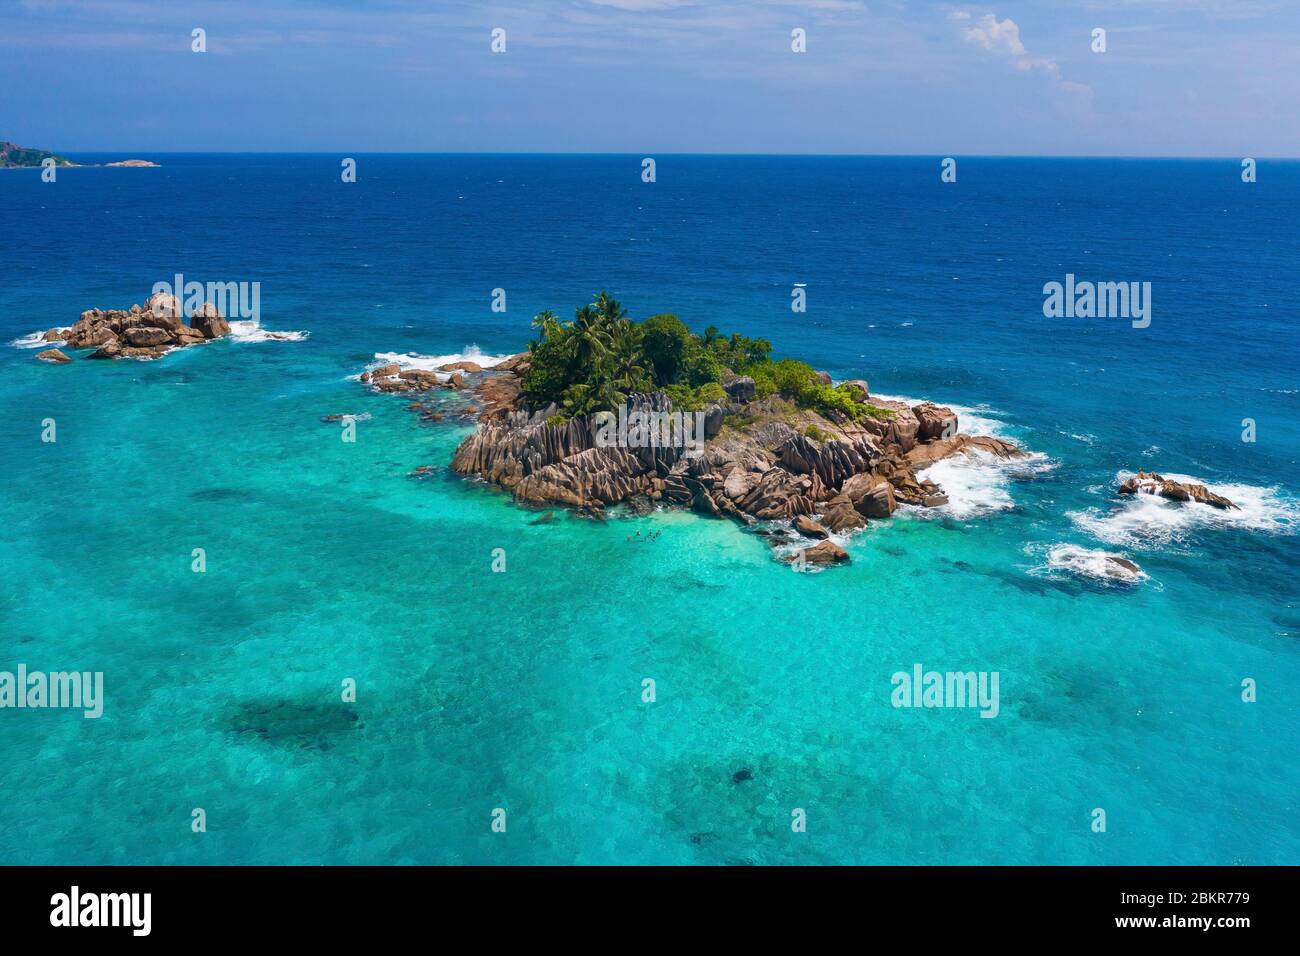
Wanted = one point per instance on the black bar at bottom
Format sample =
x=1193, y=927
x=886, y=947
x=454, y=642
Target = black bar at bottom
x=335, y=905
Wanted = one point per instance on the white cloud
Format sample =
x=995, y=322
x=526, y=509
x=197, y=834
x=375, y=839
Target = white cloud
x=1003, y=38
x=994, y=34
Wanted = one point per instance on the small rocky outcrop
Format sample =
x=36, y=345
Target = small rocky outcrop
x=519, y=364
x=841, y=516
x=870, y=495
x=53, y=355
x=934, y=421
x=209, y=320
x=923, y=456
x=821, y=555
x=393, y=378
x=809, y=528
x=1150, y=483
x=913, y=491
x=1124, y=565
x=146, y=332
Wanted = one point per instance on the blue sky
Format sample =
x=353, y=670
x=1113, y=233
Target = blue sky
x=1179, y=77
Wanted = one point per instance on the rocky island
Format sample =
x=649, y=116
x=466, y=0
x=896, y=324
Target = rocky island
x=605, y=411
x=779, y=440
x=13, y=156
x=141, y=332
x=1150, y=483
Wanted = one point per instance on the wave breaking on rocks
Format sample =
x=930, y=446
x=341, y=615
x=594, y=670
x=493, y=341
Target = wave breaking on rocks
x=141, y=332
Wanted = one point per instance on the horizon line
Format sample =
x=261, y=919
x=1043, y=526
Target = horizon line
x=810, y=155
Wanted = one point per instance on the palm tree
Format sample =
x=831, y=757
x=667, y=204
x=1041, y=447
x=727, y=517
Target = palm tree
x=627, y=364
x=609, y=309
x=583, y=398
x=548, y=323
x=590, y=338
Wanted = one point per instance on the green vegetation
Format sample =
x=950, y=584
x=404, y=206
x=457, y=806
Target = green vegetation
x=11, y=154
x=815, y=433
x=798, y=382
x=739, y=422
x=600, y=358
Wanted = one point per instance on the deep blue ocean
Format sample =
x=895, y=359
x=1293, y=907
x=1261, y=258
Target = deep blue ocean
x=522, y=690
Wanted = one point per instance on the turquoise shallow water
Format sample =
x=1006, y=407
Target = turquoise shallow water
x=522, y=689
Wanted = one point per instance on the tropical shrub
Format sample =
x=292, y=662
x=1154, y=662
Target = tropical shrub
x=596, y=361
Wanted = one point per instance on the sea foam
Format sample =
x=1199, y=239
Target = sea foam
x=1150, y=522
x=431, y=363
x=251, y=330
x=1095, y=565
x=976, y=482
x=34, y=341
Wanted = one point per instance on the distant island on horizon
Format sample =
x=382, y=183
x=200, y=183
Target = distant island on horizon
x=13, y=156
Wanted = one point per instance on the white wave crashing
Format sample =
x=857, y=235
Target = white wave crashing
x=432, y=363
x=971, y=419
x=35, y=341
x=251, y=330
x=242, y=330
x=1149, y=522
x=1096, y=565
x=976, y=482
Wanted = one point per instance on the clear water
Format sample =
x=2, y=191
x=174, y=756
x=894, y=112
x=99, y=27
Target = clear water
x=522, y=689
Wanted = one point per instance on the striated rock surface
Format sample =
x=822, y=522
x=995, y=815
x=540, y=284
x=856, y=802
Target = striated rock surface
x=833, y=462
x=923, y=456
x=592, y=478
x=758, y=463
x=1151, y=483
x=900, y=428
